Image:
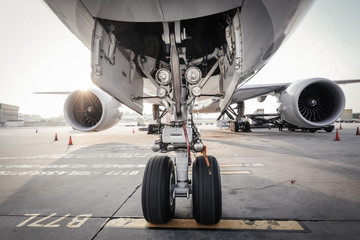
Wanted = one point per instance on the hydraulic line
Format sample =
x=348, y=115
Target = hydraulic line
x=187, y=143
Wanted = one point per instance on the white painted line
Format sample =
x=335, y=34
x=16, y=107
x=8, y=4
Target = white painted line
x=43, y=222
x=242, y=165
x=83, y=156
x=234, y=172
x=68, y=173
x=71, y=166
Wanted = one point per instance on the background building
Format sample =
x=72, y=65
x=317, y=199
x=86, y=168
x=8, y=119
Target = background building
x=9, y=116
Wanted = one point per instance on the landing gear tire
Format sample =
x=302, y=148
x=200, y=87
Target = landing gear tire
x=156, y=112
x=247, y=127
x=207, y=198
x=152, y=128
x=330, y=128
x=157, y=200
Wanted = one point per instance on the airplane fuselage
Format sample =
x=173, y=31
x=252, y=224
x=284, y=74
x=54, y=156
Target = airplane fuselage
x=264, y=25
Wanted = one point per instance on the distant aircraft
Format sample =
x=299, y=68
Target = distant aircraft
x=186, y=55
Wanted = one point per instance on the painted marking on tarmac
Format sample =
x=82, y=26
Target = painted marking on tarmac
x=231, y=172
x=68, y=173
x=71, y=166
x=43, y=222
x=83, y=156
x=69, y=169
x=92, y=173
x=264, y=225
x=234, y=172
x=243, y=165
x=114, y=147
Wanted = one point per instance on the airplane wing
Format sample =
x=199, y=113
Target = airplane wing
x=309, y=103
x=252, y=91
x=349, y=81
x=260, y=91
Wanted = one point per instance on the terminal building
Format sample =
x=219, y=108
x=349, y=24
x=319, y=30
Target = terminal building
x=9, y=116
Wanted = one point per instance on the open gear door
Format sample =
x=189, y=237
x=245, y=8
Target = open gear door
x=113, y=69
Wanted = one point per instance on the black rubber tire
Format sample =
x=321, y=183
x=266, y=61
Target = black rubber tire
x=156, y=197
x=156, y=112
x=247, y=127
x=330, y=128
x=207, y=197
x=151, y=128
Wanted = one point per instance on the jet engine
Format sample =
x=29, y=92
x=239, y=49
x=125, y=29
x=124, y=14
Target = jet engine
x=91, y=110
x=311, y=103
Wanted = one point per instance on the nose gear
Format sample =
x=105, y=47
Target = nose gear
x=162, y=184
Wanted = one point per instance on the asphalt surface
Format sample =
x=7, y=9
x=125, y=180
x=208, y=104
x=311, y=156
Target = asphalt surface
x=91, y=189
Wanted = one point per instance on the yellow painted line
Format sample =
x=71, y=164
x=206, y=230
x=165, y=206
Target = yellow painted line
x=270, y=225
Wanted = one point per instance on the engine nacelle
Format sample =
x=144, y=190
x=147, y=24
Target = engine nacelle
x=91, y=110
x=311, y=103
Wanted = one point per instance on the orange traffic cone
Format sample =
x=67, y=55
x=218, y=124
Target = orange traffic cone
x=357, y=131
x=70, y=141
x=340, y=127
x=337, y=138
x=133, y=131
x=56, y=138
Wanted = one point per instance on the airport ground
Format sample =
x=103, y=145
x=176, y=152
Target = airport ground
x=275, y=185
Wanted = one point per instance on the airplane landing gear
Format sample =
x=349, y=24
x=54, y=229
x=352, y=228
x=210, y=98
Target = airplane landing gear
x=161, y=186
x=178, y=88
x=159, y=189
x=236, y=115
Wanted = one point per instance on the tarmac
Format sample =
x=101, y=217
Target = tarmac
x=275, y=185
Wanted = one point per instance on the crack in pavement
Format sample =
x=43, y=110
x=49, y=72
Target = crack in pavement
x=112, y=216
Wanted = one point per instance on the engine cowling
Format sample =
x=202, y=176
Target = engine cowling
x=311, y=103
x=91, y=110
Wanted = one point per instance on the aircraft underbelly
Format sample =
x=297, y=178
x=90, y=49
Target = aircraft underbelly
x=264, y=25
x=157, y=10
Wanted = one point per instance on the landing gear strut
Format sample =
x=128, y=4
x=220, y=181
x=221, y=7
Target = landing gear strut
x=236, y=115
x=158, y=114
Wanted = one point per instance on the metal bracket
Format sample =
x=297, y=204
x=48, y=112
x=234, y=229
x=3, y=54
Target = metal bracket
x=238, y=41
x=166, y=34
x=97, y=40
x=112, y=48
x=177, y=32
x=212, y=95
x=140, y=98
x=181, y=192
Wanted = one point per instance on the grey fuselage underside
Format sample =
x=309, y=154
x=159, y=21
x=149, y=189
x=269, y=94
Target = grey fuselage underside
x=264, y=25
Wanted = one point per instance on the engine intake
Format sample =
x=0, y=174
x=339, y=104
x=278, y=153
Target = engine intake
x=312, y=103
x=91, y=110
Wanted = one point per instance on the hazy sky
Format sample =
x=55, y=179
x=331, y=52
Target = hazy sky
x=38, y=53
